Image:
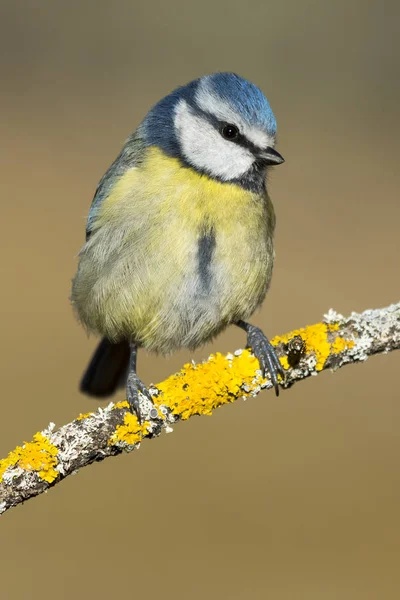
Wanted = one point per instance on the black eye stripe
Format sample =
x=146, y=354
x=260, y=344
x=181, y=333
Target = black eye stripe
x=240, y=139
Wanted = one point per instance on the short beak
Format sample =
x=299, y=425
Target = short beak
x=271, y=157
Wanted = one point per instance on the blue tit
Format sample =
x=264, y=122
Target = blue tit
x=179, y=238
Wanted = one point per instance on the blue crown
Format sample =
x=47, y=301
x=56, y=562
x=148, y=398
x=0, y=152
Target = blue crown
x=247, y=99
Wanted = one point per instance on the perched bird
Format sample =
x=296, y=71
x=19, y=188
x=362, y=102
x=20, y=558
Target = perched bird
x=179, y=239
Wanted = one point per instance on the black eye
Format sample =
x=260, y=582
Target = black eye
x=229, y=132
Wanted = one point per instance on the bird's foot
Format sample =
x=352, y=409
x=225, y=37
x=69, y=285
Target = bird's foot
x=264, y=351
x=133, y=387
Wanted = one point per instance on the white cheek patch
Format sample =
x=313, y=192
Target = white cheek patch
x=208, y=101
x=205, y=148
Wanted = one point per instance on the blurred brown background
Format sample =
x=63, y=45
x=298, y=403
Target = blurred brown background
x=296, y=498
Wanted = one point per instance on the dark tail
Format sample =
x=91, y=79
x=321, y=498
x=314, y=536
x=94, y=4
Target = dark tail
x=107, y=371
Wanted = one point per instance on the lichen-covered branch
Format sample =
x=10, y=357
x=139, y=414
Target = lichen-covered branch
x=197, y=389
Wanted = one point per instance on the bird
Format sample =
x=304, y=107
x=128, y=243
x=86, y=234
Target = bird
x=179, y=236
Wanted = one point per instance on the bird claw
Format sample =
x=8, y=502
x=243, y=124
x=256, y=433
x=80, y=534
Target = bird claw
x=133, y=387
x=264, y=351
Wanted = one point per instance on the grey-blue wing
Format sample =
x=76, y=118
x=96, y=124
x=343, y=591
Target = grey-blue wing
x=130, y=156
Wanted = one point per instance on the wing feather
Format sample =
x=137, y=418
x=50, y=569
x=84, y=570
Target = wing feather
x=130, y=156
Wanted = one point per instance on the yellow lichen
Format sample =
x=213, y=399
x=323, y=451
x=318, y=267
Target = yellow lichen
x=284, y=362
x=199, y=389
x=84, y=416
x=122, y=404
x=340, y=344
x=316, y=338
x=131, y=431
x=38, y=455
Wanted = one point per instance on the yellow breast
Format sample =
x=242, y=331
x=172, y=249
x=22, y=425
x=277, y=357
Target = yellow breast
x=163, y=182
